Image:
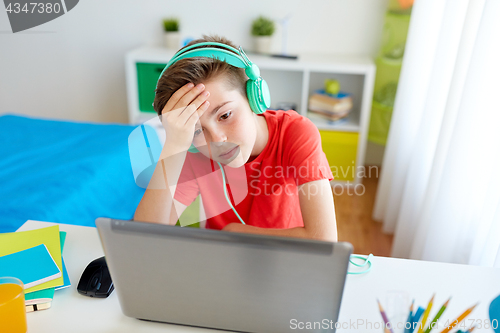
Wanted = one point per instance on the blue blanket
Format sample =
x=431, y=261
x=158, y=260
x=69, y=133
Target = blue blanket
x=64, y=172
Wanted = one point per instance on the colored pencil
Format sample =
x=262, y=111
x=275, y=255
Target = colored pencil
x=416, y=318
x=384, y=316
x=426, y=314
x=470, y=329
x=409, y=320
x=459, y=319
x=438, y=315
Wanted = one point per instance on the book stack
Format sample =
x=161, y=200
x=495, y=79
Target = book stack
x=35, y=258
x=329, y=106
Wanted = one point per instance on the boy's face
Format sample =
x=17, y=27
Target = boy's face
x=226, y=132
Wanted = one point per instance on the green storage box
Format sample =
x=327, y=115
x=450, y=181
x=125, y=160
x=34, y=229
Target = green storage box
x=388, y=70
x=386, y=81
x=380, y=122
x=394, y=35
x=147, y=77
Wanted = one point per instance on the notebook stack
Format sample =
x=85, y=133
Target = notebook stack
x=35, y=258
x=332, y=107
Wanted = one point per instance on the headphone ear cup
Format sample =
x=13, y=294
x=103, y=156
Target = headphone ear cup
x=265, y=94
x=259, y=103
x=251, y=96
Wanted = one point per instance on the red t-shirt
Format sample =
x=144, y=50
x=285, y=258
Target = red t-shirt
x=264, y=191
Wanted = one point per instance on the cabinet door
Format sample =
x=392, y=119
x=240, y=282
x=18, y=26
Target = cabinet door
x=340, y=149
x=147, y=77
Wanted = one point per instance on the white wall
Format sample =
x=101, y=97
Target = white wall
x=73, y=67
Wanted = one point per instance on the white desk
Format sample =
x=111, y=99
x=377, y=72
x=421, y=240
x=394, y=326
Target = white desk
x=72, y=312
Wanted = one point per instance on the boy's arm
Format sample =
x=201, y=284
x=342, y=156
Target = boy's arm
x=179, y=117
x=158, y=205
x=318, y=214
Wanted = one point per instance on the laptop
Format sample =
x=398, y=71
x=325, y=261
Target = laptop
x=224, y=280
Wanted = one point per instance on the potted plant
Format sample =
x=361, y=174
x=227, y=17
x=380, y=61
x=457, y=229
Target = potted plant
x=262, y=31
x=172, y=34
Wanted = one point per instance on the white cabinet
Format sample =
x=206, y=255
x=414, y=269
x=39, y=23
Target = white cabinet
x=289, y=81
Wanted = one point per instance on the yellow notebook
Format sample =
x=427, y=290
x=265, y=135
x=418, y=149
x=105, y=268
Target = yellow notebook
x=17, y=241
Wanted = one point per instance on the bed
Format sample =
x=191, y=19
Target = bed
x=64, y=172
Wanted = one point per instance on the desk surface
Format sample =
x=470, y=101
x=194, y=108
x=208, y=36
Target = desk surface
x=72, y=312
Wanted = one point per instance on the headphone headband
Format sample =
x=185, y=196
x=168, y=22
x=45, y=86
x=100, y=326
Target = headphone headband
x=190, y=47
x=239, y=59
x=257, y=89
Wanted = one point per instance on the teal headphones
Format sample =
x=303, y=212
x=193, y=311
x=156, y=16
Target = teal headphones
x=257, y=89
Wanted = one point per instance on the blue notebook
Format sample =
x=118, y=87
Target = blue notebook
x=46, y=295
x=33, y=266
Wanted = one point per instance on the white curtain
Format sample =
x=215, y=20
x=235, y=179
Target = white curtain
x=439, y=191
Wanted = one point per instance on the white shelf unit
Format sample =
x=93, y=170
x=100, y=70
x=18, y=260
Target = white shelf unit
x=289, y=80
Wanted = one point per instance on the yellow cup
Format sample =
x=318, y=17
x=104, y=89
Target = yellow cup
x=12, y=308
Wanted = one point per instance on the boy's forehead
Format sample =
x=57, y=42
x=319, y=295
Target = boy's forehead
x=219, y=84
x=221, y=94
x=219, y=97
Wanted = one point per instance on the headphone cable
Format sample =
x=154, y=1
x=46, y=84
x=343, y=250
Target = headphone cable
x=225, y=193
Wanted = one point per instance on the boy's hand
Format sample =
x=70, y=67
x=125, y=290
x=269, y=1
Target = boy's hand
x=231, y=226
x=180, y=114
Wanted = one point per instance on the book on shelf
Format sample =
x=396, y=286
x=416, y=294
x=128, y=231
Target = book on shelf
x=321, y=101
x=328, y=115
x=320, y=119
x=330, y=107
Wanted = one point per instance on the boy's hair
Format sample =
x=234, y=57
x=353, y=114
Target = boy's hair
x=197, y=70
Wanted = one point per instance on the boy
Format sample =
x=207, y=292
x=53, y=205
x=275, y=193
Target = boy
x=285, y=190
